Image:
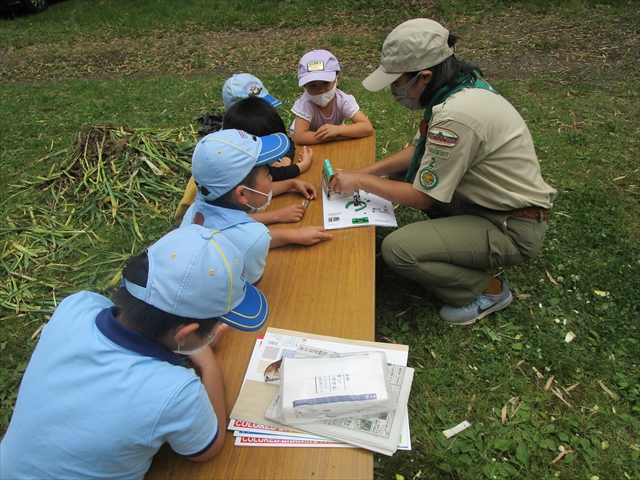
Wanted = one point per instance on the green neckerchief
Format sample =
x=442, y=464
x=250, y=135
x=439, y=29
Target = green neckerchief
x=440, y=96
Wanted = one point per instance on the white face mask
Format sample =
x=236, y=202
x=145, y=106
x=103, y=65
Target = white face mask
x=323, y=99
x=402, y=96
x=263, y=207
x=195, y=350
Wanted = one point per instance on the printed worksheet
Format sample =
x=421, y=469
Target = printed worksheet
x=360, y=210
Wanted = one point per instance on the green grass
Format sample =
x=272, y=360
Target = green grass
x=571, y=69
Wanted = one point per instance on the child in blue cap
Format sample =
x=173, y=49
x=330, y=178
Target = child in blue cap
x=323, y=107
x=104, y=388
x=230, y=168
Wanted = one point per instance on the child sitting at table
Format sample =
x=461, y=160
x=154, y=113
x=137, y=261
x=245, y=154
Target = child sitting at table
x=104, y=389
x=231, y=172
x=323, y=107
x=235, y=89
x=257, y=117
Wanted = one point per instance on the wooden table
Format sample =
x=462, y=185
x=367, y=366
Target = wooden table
x=326, y=289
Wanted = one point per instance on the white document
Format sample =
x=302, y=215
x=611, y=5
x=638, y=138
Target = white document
x=370, y=211
x=325, y=388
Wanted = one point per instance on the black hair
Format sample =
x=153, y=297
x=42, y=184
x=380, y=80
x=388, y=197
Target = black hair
x=147, y=319
x=447, y=73
x=254, y=115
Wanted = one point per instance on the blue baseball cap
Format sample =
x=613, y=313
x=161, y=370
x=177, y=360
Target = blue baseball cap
x=196, y=272
x=222, y=159
x=243, y=85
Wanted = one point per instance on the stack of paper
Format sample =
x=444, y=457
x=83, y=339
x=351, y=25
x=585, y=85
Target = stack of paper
x=380, y=433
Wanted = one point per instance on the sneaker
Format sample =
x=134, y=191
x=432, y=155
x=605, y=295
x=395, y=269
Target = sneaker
x=479, y=308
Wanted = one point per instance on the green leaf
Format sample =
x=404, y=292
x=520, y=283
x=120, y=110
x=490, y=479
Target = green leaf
x=502, y=444
x=585, y=443
x=563, y=437
x=523, y=453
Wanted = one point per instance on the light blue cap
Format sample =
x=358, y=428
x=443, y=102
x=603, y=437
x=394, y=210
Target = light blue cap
x=196, y=273
x=244, y=85
x=222, y=159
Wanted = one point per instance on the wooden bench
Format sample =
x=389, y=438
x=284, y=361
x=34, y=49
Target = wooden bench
x=327, y=289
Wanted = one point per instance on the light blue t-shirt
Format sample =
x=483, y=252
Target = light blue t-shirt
x=98, y=400
x=250, y=237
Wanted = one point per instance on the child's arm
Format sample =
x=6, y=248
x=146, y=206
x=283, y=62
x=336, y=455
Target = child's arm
x=301, y=133
x=187, y=199
x=211, y=378
x=307, y=189
x=302, y=236
x=290, y=214
x=359, y=128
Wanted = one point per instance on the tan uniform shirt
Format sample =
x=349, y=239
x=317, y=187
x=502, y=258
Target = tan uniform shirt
x=479, y=147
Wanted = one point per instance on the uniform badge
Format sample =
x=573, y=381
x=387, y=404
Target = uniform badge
x=428, y=178
x=437, y=152
x=442, y=136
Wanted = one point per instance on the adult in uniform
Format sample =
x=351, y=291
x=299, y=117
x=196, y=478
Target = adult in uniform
x=472, y=168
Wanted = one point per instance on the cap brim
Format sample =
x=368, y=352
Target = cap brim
x=317, y=77
x=274, y=147
x=380, y=79
x=252, y=312
x=273, y=101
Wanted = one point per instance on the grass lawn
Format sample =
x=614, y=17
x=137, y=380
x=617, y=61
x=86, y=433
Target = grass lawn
x=99, y=100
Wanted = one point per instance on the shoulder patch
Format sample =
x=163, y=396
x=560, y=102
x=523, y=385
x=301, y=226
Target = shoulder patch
x=428, y=178
x=442, y=136
x=437, y=152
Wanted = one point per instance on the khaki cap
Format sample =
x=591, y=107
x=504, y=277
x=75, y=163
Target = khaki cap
x=410, y=47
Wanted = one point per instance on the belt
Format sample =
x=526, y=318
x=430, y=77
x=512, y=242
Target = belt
x=534, y=213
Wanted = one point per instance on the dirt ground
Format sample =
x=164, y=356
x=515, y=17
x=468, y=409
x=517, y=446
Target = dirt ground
x=516, y=44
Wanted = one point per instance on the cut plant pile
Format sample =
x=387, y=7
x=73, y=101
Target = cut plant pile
x=110, y=174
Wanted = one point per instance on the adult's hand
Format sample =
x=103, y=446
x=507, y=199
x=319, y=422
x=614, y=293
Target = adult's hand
x=344, y=181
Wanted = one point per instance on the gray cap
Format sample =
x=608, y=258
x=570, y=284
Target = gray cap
x=412, y=46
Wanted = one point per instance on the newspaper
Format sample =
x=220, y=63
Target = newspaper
x=378, y=433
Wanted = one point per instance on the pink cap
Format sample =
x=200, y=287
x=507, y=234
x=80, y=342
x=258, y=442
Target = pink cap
x=317, y=65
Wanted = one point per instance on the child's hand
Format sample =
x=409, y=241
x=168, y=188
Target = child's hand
x=328, y=131
x=305, y=159
x=223, y=327
x=291, y=214
x=311, y=235
x=204, y=359
x=307, y=189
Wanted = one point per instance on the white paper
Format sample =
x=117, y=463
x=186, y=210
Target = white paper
x=331, y=387
x=343, y=213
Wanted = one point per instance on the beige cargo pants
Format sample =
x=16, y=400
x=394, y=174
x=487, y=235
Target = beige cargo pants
x=450, y=253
